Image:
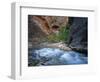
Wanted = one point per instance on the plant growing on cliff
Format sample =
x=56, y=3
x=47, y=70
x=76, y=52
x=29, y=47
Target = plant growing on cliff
x=62, y=36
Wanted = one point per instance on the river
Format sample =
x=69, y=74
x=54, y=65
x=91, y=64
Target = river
x=55, y=56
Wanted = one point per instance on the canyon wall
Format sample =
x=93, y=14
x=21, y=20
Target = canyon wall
x=39, y=27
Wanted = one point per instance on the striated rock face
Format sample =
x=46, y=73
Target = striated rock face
x=39, y=27
x=78, y=34
x=49, y=24
x=34, y=30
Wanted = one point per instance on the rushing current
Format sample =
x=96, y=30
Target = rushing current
x=54, y=56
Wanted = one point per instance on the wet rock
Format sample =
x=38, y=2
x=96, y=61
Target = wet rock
x=60, y=45
x=78, y=37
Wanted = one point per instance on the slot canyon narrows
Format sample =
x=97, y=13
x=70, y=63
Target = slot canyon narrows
x=57, y=40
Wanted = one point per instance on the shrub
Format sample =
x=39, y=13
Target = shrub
x=62, y=36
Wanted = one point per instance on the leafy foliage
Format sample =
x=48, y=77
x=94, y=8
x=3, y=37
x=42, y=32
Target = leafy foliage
x=61, y=36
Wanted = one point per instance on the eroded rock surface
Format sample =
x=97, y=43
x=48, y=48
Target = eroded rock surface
x=78, y=39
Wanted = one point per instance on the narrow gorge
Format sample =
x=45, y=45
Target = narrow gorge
x=57, y=40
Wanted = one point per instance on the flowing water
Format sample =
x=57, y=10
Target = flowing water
x=54, y=56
